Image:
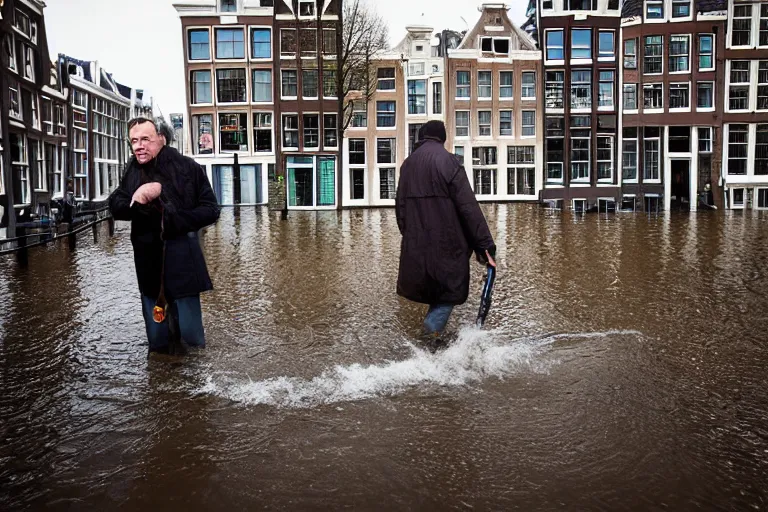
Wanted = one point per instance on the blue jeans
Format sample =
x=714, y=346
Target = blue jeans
x=437, y=317
x=190, y=318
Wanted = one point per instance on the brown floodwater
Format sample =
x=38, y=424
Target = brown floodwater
x=624, y=366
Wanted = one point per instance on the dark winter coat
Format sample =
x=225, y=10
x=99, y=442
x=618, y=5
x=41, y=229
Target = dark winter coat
x=441, y=224
x=186, y=205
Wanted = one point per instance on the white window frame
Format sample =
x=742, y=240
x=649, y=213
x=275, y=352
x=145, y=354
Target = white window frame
x=581, y=61
x=295, y=38
x=193, y=96
x=654, y=109
x=356, y=111
x=554, y=89
x=24, y=162
x=659, y=161
x=511, y=121
x=727, y=157
x=732, y=18
x=660, y=57
x=304, y=129
x=214, y=41
x=307, y=16
x=303, y=81
x=760, y=84
x=19, y=116
x=634, y=140
x=247, y=87
x=561, y=164
x=709, y=138
x=687, y=56
x=600, y=82
x=488, y=125
x=324, y=129
x=282, y=79
x=13, y=62
x=514, y=166
x=41, y=183
x=586, y=179
x=760, y=17
x=283, y=116
x=730, y=85
x=481, y=86
x=331, y=56
x=29, y=55
x=714, y=97
x=612, y=140
x=467, y=87
x=271, y=129
x=523, y=135
x=392, y=79
x=655, y=3
x=691, y=10
x=612, y=56
x=582, y=109
x=680, y=109
x=250, y=29
x=248, y=131
x=547, y=60
x=416, y=95
x=468, y=125
x=271, y=86
x=712, y=54
x=509, y=87
x=187, y=45
x=626, y=63
x=732, y=201
x=757, y=198
x=388, y=112
x=523, y=86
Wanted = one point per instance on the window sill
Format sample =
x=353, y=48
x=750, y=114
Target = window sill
x=653, y=111
x=242, y=60
x=581, y=110
x=609, y=108
x=462, y=99
x=552, y=110
x=528, y=98
x=201, y=104
x=261, y=59
x=507, y=98
x=706, y=70
x=528, y=136
x=679, y=110
x=630, y=111
x=632, y=181
x=310, y=98
x=484, y=98
x=287, y=55
x=199, y=61
x=290, y=149
x=581, y=62
x=232, y=104
x=580, y=184
x=606, y=183
x=705, y=109
x=606, y=59
x=289, y=98
x=652, y=182
x=270, y=102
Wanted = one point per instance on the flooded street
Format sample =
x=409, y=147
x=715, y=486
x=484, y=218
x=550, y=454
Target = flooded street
x=623, y=367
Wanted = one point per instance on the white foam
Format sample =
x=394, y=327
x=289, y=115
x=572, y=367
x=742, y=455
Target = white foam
x=475, y=356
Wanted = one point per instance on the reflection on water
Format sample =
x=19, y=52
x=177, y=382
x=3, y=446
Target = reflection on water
x=622, y=368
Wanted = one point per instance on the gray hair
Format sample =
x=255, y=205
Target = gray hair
x=161, y=127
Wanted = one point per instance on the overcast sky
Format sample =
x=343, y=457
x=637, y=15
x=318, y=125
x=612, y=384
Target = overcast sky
x=140, y=42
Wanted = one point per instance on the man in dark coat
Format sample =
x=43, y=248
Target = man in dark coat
x=168, y=199
x=442, y=225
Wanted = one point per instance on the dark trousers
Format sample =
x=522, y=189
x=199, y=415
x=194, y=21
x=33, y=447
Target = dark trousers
x=437, y=318
x=190, y=319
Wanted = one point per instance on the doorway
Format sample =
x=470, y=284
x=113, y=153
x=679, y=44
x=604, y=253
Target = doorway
x=681, y=185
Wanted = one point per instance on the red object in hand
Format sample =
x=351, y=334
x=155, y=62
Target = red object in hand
x=158, y=314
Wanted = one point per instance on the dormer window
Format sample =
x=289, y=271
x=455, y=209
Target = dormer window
x=228, y=5
x=501, y=46
x=486, y=44
x=681, y=8
x=654, y=9
x=419, y=48
x=498, y=45
x=306, y=7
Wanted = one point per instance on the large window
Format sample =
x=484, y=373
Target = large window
x=262, y=85
x=230, y=43
x=679, y=49
x=309, y=87
x=555, y=137
x=330, y=131
x=41, y=183
x=437, y=97
x=629, y=155
x=505, y=84
x=738, y=142
x=413, y=136
x=356, y=151
x=288, y=43
x=529, y=123
x=14, y=109
x=231, y=86
x=484, y=84
x=763, y=40
x=385, y=114
x=654, y=9
x=605, y=91
x=630, y=54
x=359, y=114
x=289, y=83
x=311, y=131
x=417, y=96
x=387, y=183
x=761, y=150
x=581, y=43
x=705, y=139
x=738, y=93
x=653, y=96
x=607, y=44
x=554, y=94
x=20, y=167
x=202, y=130
x=521, y=170
x=463, y=85
x=311, y=181
x=308, y=42
x=261, y=43
x=199, y=45
x=385, y=79
x=581, y=89
x=653, y=55
x=630, y=96
x=233, y=132
x=652, y=154
x=681, y=8
x=679, y=139
x=201, y=87
x=679, y=96
x=604, y=158
x=329, y=42
x=741, y=34
x=262, y=132
x=762, y=85
x=706, y=52
x=580, y=152
x=528, y=90
x=705, y=96
x=386, y=151
x=505, y=123
x=484, y=123
x=555, y=45
x=330, y=87
x=484, y=161
x=291, y=131
x=462, y=123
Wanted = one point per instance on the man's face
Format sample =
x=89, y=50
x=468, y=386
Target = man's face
x=145, y=142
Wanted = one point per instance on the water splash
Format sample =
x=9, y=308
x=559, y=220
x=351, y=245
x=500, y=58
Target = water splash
x=474, y=356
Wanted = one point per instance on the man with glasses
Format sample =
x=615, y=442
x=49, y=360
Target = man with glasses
x=168, y=199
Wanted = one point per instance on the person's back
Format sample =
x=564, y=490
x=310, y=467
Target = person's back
x=441, y=224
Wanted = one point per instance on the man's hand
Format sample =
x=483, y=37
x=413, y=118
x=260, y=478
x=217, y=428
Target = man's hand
x=147, y=193
x=491, y=261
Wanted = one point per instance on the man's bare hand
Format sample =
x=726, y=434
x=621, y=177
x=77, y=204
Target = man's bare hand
x=147, y=193
x=491, y=261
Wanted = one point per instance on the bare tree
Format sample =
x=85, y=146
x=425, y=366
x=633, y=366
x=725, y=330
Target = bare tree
x=364, y=37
